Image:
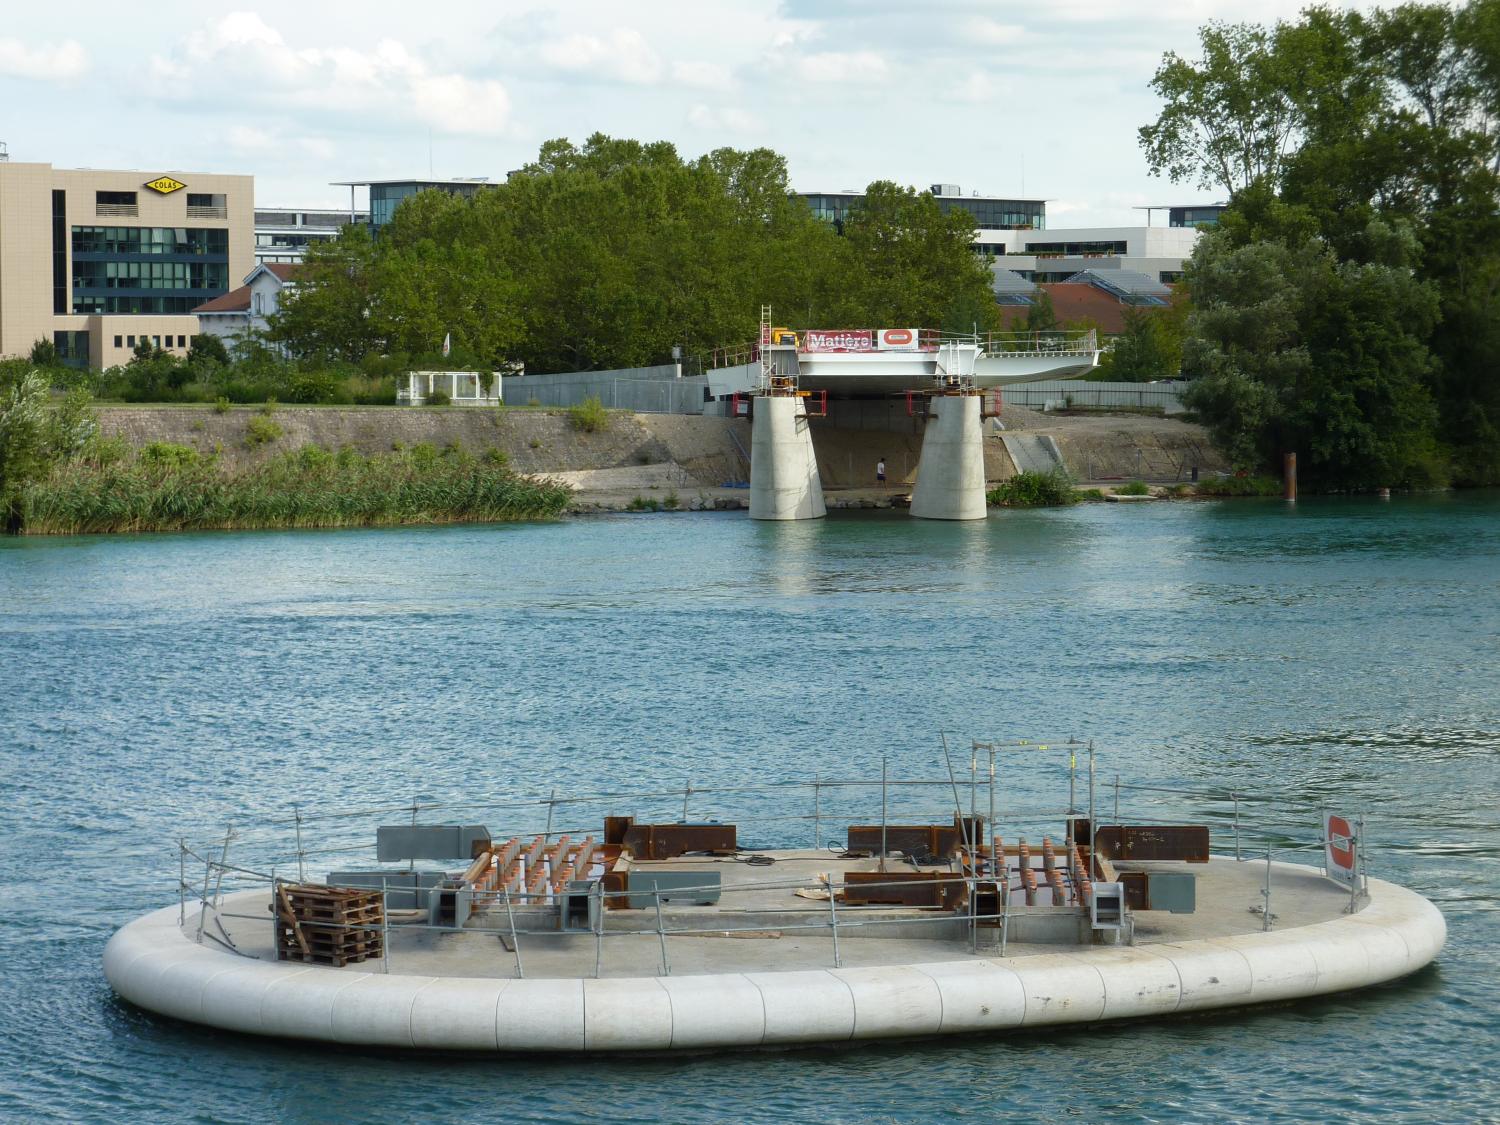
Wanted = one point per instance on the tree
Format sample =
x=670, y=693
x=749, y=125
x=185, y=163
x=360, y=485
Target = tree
x=1291, y=349
x=34, y=436
x=1041, y=317
x=207, y=352
x=1142, y=351
x=44, y=354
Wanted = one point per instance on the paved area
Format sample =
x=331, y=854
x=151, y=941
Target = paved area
x=761, y=925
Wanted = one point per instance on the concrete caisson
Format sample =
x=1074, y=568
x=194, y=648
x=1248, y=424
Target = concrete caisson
x=156, y=964
x=784, y=481
x=950, y=475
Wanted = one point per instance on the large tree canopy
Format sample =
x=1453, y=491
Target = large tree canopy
x=612, y=253
x=1368, y=142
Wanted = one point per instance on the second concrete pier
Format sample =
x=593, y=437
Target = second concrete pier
x=950, y=475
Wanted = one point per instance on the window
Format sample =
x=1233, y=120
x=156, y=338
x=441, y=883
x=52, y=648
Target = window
x=182, y=341
x=72, y=348
x=115, y=203
x=132, y=341
x=119, y=344
x=59, y=253
x=203, y=206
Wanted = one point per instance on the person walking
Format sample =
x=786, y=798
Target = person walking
x=880, y=472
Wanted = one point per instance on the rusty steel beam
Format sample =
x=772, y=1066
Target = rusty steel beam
x=1182, y=842
x=935, y=889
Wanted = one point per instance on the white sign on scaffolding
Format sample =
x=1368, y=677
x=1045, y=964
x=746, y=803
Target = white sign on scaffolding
x=1340, y=849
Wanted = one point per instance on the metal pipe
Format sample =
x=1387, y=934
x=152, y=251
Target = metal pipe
x=181, y=882
x=817, y=815
x=1237, y=857
x=883, y=759
x=301, y=864
x=1117, y=798
x=686, y=790
x=515, y=945
x=833, y=921
x=1266, y=914
x=1091, y=800
x=551, y=804
x=661, y=934
x=385, y=933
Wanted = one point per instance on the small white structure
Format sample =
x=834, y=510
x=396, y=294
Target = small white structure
x=463, y=388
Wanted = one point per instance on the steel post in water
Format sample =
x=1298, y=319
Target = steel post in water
x=686, y=790
x=1289, y=477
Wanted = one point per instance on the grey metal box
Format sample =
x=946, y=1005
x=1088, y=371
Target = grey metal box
x=673, y=887
x=396, y=843
x=1173, y=891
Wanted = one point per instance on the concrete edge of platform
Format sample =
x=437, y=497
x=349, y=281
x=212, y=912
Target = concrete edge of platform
x=153, y=964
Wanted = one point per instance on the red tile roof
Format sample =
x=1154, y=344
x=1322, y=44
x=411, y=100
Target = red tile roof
x=236, y=300
x=1072, y=302
x=286, y=271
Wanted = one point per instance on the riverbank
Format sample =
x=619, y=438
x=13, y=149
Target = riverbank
x=173, y=488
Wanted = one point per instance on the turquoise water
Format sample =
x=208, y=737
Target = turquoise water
x=1345, y=651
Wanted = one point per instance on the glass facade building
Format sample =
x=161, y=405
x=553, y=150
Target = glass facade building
x=988, y=212
x=387, y=195
x=135, y=270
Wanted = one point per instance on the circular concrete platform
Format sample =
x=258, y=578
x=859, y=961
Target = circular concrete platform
x=154, y=963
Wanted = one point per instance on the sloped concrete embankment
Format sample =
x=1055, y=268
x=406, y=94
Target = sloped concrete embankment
x=707, y=450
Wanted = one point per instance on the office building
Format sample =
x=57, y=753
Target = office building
x=386, y=195
x=282, y=235
x=97, y=261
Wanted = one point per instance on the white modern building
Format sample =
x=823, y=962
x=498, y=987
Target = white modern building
x=282, y=235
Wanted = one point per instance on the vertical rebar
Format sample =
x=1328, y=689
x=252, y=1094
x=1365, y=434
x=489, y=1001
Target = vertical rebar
x=510, y=914
x=551, y=804
x=661, y=935
x=833, y=922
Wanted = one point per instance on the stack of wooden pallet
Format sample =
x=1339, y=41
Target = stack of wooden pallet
x=328, y=925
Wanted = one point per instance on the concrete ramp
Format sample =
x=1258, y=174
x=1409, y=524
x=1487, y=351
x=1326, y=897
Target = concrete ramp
x=1034, y=453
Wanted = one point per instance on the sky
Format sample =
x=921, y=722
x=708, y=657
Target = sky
x=1038, y=100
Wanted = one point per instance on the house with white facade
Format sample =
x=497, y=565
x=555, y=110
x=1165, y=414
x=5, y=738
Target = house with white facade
x=247, y=308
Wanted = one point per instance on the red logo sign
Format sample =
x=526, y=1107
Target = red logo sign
x=896, y=336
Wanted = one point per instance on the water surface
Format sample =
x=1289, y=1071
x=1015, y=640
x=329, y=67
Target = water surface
x=1342, y=651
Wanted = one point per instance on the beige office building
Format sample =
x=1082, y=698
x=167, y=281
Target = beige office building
x=97, y=260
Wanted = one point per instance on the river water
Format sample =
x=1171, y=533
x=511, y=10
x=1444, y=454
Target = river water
x=1346, y=652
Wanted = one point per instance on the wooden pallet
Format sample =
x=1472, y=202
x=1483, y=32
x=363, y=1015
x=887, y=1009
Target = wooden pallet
x=328, y=925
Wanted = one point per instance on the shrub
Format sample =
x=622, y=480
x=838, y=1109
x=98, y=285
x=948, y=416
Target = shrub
x=1034, y=490
x=1239, y=486
x=1134, y=488
x=642, y=504
x=269, y=406
x=436, y=398
x=589, y=416
x=534, y=443
x=262, y=429
x=168, y=455
x=671, y=501
x=496, y=456
x=221, y=405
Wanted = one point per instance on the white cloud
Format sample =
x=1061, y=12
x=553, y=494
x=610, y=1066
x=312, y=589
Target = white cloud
x=842, y=66
x=724, y=119
x=703, y=75
x=621, y=55
x=977, y=87
x=992, y=32
x=250, y=140
x=53, y=61
x=243, y=53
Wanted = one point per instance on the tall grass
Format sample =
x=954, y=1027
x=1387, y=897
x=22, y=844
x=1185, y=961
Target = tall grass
x=308, y=488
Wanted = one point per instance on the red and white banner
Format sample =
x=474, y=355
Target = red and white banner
x=900, y=339
x=839, y=340
x=1341, y=849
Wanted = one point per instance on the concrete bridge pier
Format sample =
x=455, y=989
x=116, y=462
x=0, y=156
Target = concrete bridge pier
x=784, y=481
x=950, y=475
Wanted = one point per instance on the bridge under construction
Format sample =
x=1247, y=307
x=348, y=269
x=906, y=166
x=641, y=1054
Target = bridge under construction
x=950, y=383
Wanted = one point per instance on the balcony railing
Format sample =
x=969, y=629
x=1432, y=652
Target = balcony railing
x=195, y=212
x=120, y=210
